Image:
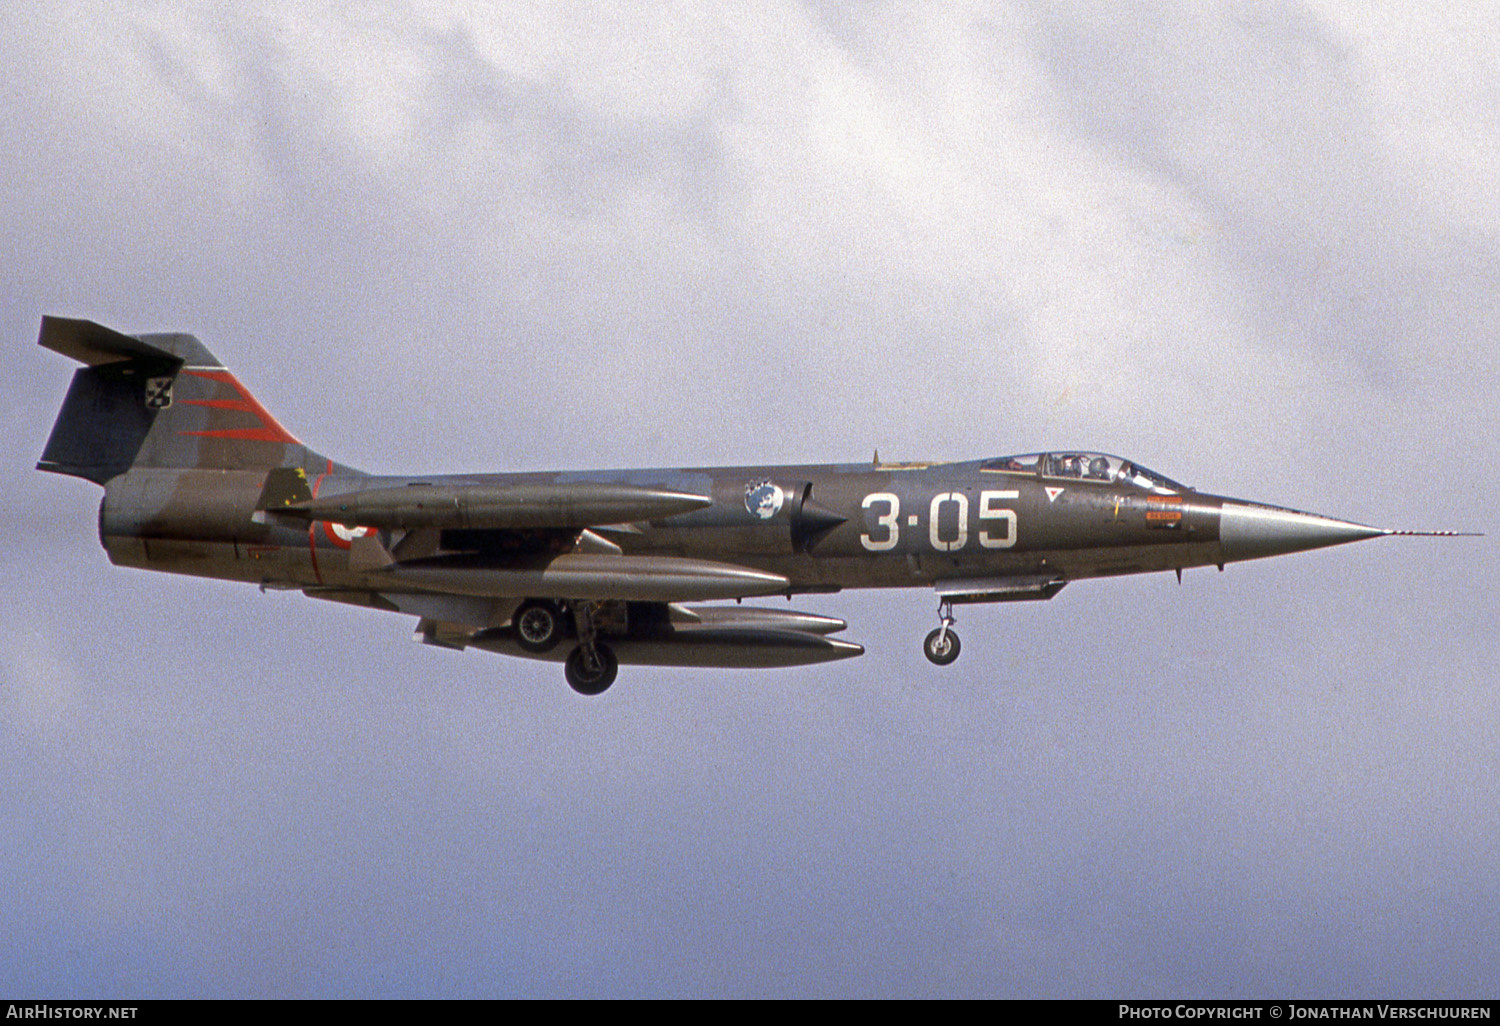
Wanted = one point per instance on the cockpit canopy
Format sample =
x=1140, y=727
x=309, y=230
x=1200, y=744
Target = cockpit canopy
x=1084, y=466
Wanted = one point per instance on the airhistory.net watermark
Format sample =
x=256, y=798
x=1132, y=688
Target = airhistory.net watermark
x=47, y=1011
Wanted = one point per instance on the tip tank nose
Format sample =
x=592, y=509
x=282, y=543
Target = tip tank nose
x=1250, y=531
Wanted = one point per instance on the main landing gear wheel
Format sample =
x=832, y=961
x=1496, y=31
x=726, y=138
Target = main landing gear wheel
x=539, y=626
x=941, y=646
x=591, y=669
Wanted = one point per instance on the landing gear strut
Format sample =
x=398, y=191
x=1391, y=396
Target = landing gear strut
x=941, y=646
x=591, y=667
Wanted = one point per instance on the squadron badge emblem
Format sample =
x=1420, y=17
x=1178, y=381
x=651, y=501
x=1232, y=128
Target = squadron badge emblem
x=764, y=499
x=158, y=393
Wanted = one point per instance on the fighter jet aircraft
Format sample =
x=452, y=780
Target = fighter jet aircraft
x=598, y=568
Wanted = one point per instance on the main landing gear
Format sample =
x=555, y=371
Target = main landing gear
x=941, y=646
x=539, y=625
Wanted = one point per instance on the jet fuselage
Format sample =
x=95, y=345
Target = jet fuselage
x=200, y=479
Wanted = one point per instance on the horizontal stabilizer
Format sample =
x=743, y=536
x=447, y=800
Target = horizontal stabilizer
x=497, y=507
x=94, y=344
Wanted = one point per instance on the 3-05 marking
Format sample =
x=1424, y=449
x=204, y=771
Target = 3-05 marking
x=886, y=521
x=997, y=529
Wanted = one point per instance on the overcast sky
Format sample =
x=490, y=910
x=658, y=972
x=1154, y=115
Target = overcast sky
x=1255, y=246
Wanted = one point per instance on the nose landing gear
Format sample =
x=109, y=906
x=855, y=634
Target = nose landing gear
x=941, y=646
x=591, y=667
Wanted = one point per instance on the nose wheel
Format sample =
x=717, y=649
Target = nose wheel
x=941, y=646
x=591, y=666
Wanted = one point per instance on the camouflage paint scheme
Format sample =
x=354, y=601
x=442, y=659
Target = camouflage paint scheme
x=596, y=568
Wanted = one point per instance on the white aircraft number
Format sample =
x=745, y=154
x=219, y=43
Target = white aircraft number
x=887, y=532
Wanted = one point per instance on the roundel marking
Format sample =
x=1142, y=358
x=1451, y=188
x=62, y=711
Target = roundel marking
x=764, y=498
x=341, y=536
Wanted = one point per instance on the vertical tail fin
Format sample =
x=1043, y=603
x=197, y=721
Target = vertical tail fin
x=155, y=401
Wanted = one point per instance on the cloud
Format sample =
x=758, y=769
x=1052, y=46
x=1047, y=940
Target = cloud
x=1252, y=245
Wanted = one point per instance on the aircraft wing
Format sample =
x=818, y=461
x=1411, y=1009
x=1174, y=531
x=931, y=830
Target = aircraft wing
x=488, y=556
x=747, y=641
x=642, y=633
x=472, y=558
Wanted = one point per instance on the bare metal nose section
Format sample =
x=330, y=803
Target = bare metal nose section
x=1248, y=531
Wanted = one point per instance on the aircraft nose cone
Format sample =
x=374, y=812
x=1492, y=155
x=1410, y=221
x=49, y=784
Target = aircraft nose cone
x=1249, y=531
